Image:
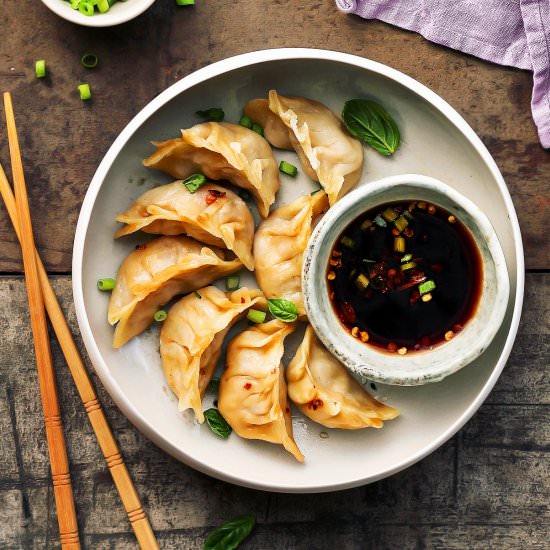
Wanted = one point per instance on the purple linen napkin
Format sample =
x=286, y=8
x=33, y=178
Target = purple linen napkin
x=508, y=32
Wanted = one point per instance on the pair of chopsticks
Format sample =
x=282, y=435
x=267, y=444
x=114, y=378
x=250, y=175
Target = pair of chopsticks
x=40, y=294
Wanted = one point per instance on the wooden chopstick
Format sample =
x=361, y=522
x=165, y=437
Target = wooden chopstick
x=119, y=472
x=66, y=513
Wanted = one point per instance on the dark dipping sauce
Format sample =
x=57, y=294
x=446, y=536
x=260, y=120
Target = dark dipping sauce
x=405, y=276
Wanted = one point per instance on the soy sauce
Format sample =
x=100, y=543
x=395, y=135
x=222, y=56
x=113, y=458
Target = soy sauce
x=405, y=276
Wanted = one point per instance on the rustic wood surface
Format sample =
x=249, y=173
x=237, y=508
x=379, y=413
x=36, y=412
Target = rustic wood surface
x=486, y=488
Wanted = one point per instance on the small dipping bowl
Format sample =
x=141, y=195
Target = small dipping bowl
x=423, y=366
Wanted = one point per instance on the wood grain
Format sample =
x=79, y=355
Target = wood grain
x=486, y=488
x=59, y=463
x=141, y=58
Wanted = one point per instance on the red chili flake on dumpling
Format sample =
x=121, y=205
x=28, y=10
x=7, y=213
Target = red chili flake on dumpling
x=213, y=195
x=141, y=246
x=315, y=404
x=247, y=386
x=243, y=301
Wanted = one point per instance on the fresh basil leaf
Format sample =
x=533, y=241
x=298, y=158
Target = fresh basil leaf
x=214, y=114
x=370, y=122
x=214, y=384
x=230, y=534
x=283, y=309
x=217, y=423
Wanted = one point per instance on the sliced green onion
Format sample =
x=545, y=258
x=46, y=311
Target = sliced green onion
x=426, y=287
x=408, y=215
x=399, y=244
x=406, y=258
x=365, y=225
x=258, y=129
x=347, y=242
x=362, y=282
x=256, y=316
x=84, y=91
x=246, y=121
x=185, y=2
x=194, y=181
x=316, y=191
x=197, y=294
x=106, y=284
x=214, y=114
x=75, y=4
x=390, y=214
x=232, y=282
x=367, y=261
x=380, y=221
x=160, y=315
x=90, y=60
x=103, y=6
x=244, y=194
x=407, y=266
x=288, y=169
x=86, y=8
x=401, y=223
x=40, y=68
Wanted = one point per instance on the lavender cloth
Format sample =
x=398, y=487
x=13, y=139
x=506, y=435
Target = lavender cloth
x=508, y=32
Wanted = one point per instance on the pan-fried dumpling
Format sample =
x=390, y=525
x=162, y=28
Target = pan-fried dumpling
x=321, y=387
x=252, y=395
x=279, y=246
x=212, y=215
x=191, y=338
x=327, y=152
x=222, y=151
x=275, y=130
x=154, y=273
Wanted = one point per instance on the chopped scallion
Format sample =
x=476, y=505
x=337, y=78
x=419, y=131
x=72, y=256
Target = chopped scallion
x=399, y=244
x=246, y=121
x=257, y=128
x=214, y=114
x=256, y=316
x=84, y=90
x=194, y=181
x=160, y=315
x=362, y=282
x=316, y=191
x=185, y=2
x=288, y=169
x=407, y=266
x=232, y=282
x=365, y=225
x=406, y=258
x=40, y=68
x=86, y=8
x=401, y=223
x=390, y=214
x=197, y=294
x=90, y=60
x=380, y=221
x=347, y=242
x=103, y=6
x=106, y=284
x=426, y=287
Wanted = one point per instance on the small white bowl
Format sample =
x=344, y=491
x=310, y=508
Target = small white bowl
x=119, y=13
x=419, y=367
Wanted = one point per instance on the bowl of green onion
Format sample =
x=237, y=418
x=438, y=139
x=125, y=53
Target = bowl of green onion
x=98, y=13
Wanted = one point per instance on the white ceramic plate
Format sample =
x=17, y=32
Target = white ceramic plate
x=119, y=13
x=436, y=141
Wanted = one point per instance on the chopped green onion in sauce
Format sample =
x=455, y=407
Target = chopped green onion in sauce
x=84, y=91
x=106, y=284
x=194, y=181
x=40, y=68
x=232, y=282
x=160, y=315
x=288, y=169
x=89, y=60
x=256, y=316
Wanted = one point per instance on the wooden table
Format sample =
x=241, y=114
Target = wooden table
x=488, y=487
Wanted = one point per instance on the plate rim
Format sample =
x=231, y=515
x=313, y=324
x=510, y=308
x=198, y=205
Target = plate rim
x=225, y=66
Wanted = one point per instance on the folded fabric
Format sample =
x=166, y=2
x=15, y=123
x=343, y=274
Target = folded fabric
x=508, y=32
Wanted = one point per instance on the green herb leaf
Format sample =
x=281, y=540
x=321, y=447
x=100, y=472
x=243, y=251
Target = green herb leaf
x=217, y=423
x=283, y=309
x=370, y=122
x=230, y=534
x=214, y=114
x=194, y=181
